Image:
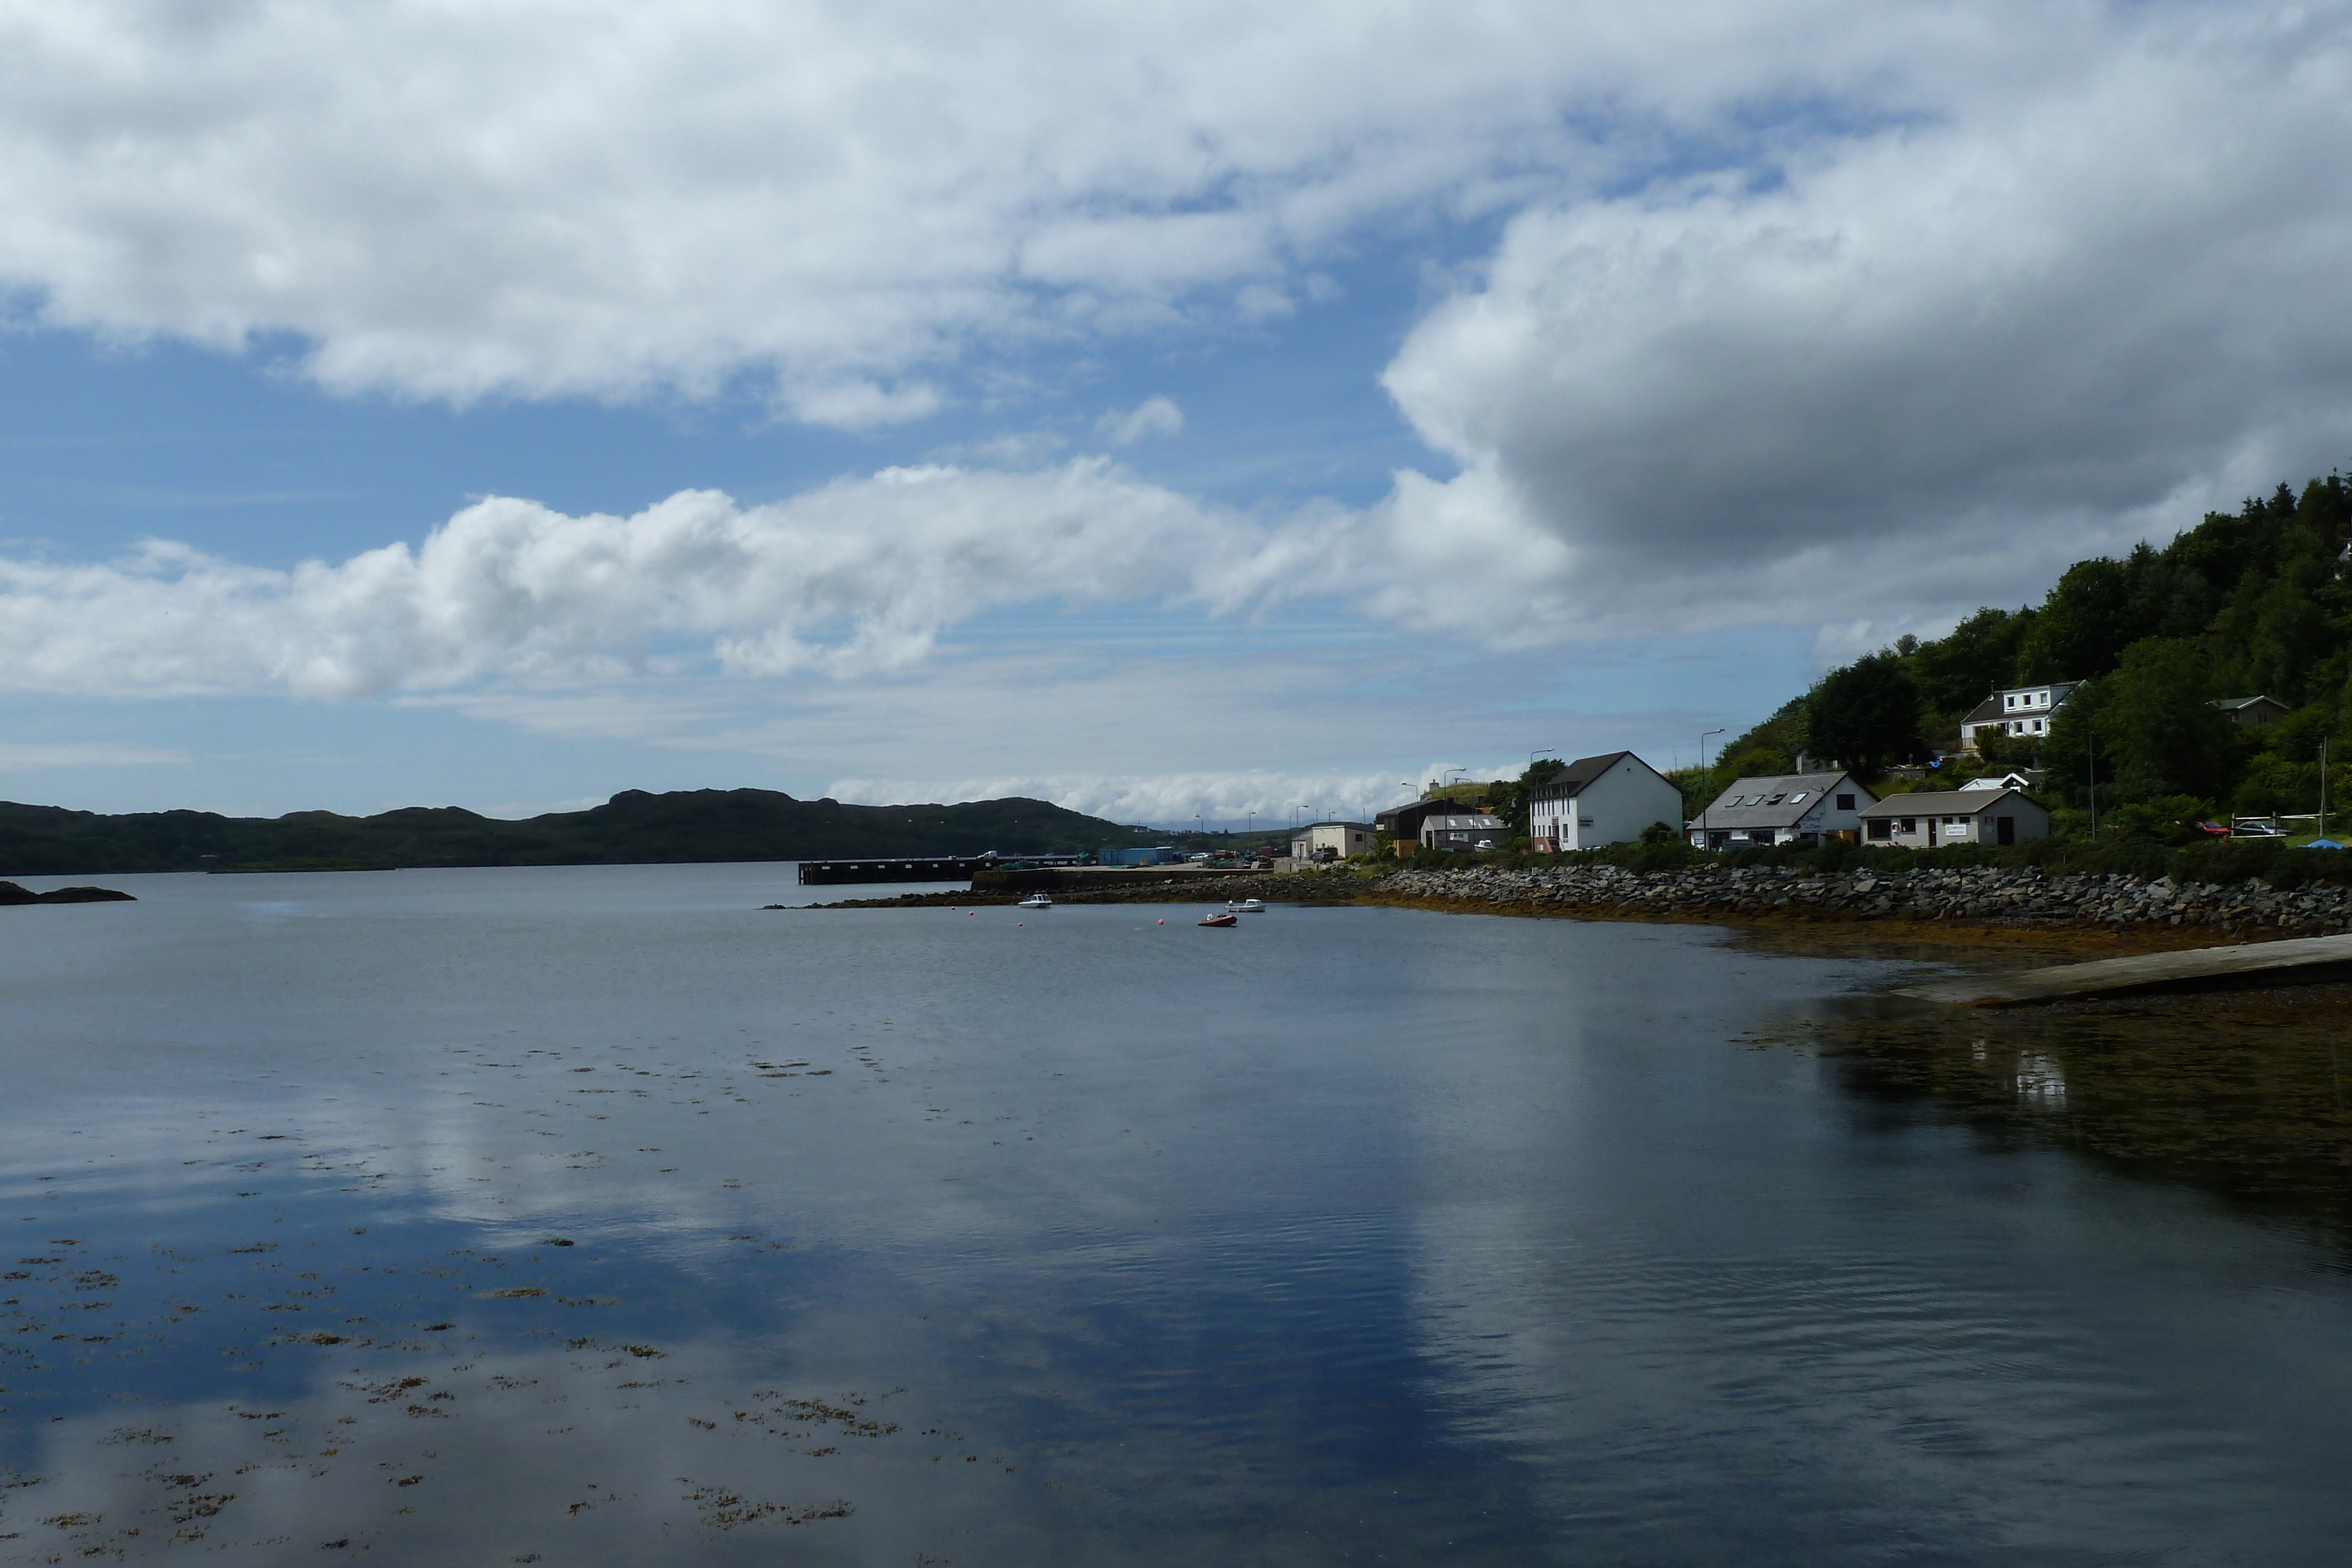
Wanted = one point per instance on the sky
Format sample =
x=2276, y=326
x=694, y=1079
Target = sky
x=1216, y=411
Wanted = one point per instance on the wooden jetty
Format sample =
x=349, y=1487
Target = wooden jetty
x=2298, y=960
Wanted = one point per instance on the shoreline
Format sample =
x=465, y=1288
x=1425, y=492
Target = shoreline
x=1982, y=911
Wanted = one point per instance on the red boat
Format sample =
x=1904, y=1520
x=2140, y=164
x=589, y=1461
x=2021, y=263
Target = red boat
x=1221, y=918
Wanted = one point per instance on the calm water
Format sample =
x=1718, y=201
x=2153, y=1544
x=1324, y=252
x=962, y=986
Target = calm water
x=930, y=1238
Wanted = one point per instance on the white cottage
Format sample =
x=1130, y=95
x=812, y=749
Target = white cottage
x=2018, y=710
x=1597, y=800
x=1786, y=809
x=1331, y=840
x=1924, y=821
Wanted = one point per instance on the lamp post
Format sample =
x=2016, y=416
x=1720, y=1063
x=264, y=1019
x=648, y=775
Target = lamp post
x=2090, y=759
x=1711, y=784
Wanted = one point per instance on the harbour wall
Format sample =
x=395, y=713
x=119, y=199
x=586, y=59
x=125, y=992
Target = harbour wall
x=1980, y=894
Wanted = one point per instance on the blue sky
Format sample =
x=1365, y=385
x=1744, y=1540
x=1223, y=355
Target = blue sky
x=1205, y=412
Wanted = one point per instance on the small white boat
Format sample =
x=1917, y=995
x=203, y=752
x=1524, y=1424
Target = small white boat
x=1246, y=907
x=1226, y=918
x=1035, y=901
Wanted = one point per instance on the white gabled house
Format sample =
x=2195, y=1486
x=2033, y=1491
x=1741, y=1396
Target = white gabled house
x=1924, y=821
x=2018, y=710
x=1596, y=800
x=1787, y=809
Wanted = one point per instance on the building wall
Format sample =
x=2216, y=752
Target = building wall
x=1823, y=818
x=1976, y=828
x=1348, y=838
x=1611, y=810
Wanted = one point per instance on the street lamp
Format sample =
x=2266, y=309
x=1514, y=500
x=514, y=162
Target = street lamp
x=1711, y=784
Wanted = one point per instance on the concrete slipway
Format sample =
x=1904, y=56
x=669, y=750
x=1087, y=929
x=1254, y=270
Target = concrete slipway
x=2299, y=960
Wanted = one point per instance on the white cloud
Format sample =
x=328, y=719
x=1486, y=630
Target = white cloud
x=1931, y=365
x=855, y=578
x=1152, y=416
x=1824, y=311
x=531, y=197
x=1173, y=799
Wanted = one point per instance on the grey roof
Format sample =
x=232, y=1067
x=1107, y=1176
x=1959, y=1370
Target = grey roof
x=1570, y=782
x=1404, y=822
x=2232, y=704
x=1478, y=823
x=1944, y=803
x=1786, y=812
x=1985, y=712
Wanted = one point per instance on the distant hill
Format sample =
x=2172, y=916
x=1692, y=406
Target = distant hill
x=632, y=828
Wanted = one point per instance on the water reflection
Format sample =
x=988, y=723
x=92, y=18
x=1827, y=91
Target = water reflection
x=2239, y=1093
x=611, y=1220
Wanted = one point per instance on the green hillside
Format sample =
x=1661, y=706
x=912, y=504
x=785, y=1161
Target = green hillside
x=2254, y=603
x=632, y=828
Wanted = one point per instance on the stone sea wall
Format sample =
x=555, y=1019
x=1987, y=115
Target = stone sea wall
x=1979, y=894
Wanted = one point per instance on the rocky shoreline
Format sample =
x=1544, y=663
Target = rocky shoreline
x=1981, y=895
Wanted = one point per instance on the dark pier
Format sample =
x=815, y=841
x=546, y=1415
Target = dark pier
x=893, y=868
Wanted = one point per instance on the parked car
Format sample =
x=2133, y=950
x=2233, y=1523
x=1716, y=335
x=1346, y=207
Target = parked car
x=2255, y=830
x=2215, y=829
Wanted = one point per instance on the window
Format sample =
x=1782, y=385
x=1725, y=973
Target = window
x=1910, y=824
x=1773, y=801
x=1846, y=802
x=1798, y=798
x=2010, y=702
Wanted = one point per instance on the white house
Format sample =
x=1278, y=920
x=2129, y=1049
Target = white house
x=1954, y=816
x=1597, y=800
x=2009, y=781
x=1781, y=810
x=2018, y=710
x=1342, y=838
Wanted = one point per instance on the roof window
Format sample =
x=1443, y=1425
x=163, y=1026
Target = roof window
x=1798, y=798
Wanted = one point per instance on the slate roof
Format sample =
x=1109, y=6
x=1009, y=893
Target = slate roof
x=1943, y=803
x=1476, y=823
x=1985, y=712
x=1404, y=822
x=1776, y=809
x=1570, y=782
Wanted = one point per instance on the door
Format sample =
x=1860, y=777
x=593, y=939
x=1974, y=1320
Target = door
x=2004, y=830
x=1931, y=832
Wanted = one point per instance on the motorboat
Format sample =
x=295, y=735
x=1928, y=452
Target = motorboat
x=1035, y=901
x=1223, y=917
x=1245, y=906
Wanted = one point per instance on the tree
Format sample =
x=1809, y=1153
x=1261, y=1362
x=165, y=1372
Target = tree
x=1955, y=672
x=1508, y=797
x=1866, y=715
x=2159, y=724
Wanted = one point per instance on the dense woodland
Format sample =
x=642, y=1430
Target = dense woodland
x=2254, y=603
x=632, y=828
